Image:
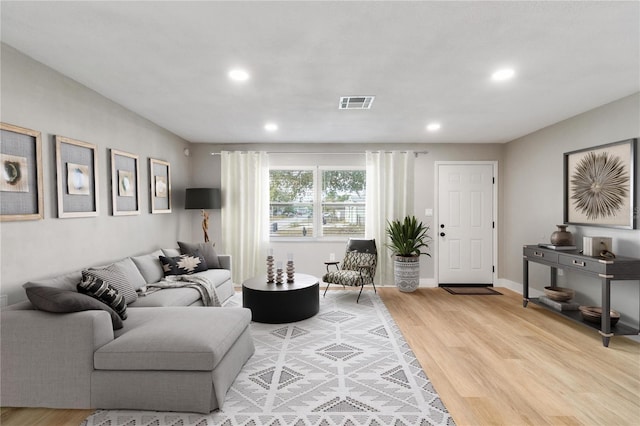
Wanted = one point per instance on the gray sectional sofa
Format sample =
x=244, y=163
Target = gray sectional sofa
x=169, y=355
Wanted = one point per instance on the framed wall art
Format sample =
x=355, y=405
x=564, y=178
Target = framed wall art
x=125, y=183
x=21, y=187
x=160, y=186
x=77, y=175
x=599, y=185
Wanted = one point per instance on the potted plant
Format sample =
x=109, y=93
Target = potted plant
x=408, y=240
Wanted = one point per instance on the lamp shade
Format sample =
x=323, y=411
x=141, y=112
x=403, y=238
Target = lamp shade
x=202, y=198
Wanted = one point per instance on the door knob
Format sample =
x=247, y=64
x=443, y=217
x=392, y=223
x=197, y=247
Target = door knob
x=442, y=234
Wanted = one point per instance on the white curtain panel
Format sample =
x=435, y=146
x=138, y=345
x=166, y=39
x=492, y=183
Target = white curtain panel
x=245, y=212
x=390, y=186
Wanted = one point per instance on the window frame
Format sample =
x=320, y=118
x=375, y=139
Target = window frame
x=317, y=203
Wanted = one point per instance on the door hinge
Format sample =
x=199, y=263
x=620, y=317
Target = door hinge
x=493, y=268
x=493, y=180
x=493, y=225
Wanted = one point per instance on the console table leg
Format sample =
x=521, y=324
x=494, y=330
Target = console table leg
x=605, y=325
x=525, y=282
x=605, y=339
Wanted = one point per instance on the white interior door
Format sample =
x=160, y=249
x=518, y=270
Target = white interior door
x=465, y=226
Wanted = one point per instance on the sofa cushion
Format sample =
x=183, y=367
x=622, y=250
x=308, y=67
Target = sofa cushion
x=183, y=264
x=99, y=289
x=149, y=266
x=206, y=249
x=200, y=338
x=167, y=297
x=171, y=252
x=216, y=276
x=51, y=299
x=67, y=281
x=124, y=276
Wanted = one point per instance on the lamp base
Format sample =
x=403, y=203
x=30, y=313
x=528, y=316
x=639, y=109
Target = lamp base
x=205, y=225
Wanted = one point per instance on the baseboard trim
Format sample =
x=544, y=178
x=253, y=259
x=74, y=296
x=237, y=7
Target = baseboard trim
x=517, y=287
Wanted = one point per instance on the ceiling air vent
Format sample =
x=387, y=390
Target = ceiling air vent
x=356, y=102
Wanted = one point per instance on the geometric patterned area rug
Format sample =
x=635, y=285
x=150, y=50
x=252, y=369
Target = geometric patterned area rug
x=348, y=365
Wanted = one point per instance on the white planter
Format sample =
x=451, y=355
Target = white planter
x=406, y=272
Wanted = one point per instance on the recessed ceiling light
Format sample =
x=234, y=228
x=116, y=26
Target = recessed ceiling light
x=433, y=127
x=271, y=127
x=238, y=75
x=503, y=74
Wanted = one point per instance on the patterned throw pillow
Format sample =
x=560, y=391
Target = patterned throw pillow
x=99, y=289
x=119, y=275
x=183, y=264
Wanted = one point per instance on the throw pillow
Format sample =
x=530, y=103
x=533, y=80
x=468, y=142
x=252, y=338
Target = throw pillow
x=57, y=300
x=183, y=264
x=206, y=249
x=116, y=275
x=149, y=266
x=171, y=252
x=99, y=289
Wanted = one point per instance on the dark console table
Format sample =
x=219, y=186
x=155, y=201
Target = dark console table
x=607, y=270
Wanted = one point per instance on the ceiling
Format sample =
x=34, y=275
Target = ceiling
x=423, y=61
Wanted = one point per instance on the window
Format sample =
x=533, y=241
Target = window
x=317, y=202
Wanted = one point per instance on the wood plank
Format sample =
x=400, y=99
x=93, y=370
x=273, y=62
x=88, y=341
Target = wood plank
x=494, y=362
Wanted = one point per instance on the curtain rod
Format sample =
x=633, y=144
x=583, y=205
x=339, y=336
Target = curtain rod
x=416, y=153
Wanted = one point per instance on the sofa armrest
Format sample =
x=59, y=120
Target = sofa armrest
x=47, y=359
x=225, y=261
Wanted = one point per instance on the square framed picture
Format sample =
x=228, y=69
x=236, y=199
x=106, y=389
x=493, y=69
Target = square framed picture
x=77, y=175
x=125, y=183
x=21, y=178
x=599, y=185
x=160, y=191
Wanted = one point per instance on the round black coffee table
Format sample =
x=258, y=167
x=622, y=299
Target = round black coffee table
x=281, y=303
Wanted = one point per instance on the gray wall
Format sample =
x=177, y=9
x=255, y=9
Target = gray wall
x=206, y=169
x=36, y=97
x=533, y=195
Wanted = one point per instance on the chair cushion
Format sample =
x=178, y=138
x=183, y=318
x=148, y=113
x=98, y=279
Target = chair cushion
x=345, y=277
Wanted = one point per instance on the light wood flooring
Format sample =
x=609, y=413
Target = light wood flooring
x=493, y=363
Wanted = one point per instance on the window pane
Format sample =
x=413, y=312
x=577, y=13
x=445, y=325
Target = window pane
x=343, y=202
x=291, y=205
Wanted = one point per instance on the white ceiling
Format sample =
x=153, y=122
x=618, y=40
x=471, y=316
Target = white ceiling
x=424, y=61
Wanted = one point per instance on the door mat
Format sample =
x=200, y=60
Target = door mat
x=480, y=291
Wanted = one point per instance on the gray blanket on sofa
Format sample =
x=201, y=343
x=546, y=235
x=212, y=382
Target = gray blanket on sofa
x=199, y=283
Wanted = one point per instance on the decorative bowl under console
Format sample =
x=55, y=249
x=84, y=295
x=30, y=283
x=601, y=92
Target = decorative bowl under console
x=559, y=294
x=594, y=314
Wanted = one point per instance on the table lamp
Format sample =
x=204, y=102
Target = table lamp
x=203, y=199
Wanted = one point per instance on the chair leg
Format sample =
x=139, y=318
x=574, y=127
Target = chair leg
x=374, y=287
x=361, y=288
x=325, y=290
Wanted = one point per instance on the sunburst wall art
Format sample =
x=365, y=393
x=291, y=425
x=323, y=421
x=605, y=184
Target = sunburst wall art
x=599, y=186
